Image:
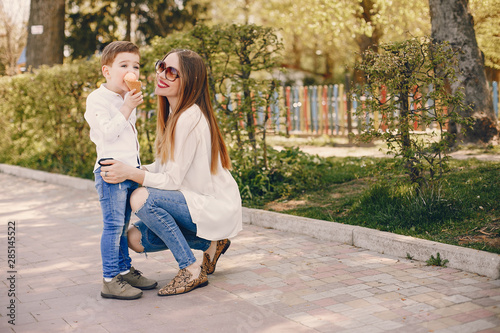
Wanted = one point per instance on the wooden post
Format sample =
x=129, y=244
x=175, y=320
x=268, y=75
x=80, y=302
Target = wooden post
x=341, y=109
x=288, y=111
x=324, y=103
x=305, y=123
x=296, y=102
x=336, y=106
x=331, y=108
x=348, y=105
x=383, y=99
x=314, y=109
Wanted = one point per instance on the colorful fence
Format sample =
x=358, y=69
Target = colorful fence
x=320, y=110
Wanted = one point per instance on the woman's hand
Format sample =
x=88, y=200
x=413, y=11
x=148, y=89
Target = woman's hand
x=114, y=172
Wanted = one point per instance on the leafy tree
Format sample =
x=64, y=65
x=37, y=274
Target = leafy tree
x=313, y=34
x=12, y=35
x=164, y=17
x=249, y=49
x=452, y=22
x=383, y=21
x=333, y=31
x=237, y=11
x=406, y=84
x=92, y=24
x=486, y=23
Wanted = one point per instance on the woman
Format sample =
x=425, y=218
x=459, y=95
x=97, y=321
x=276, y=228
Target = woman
x=188, y=198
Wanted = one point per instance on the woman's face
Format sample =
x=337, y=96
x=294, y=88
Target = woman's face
x=167, y=88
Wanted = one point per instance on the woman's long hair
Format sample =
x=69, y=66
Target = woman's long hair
x=193, y=90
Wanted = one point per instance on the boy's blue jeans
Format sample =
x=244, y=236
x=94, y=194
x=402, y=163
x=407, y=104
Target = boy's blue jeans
x=166, y=224
x=116, y=211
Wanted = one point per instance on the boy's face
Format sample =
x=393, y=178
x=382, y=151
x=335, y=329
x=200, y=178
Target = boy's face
x=124, y=63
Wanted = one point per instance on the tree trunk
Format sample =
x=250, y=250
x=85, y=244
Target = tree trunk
x=411, y=163
x=452, y=22
x=46, y=46
x=365, y=42
x=128, y=17
x=329, y=66
x=297, y=51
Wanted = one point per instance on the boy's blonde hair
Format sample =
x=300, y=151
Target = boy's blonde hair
x=112, y=49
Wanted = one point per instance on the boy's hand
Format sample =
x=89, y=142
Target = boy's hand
x=133, y=98
x=131, y=101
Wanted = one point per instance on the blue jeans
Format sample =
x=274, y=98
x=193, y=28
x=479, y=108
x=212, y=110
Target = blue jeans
x=166, y=224
x=116, y=212
x=152, y=243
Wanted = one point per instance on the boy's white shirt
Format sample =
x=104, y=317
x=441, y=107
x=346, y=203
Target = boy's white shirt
x=113, y=135
x=213, y=200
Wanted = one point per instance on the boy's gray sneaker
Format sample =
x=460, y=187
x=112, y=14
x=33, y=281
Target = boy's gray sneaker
x=136, y=279
x=118, y=288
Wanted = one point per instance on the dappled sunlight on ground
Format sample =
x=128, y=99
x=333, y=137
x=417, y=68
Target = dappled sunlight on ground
x=268, y=280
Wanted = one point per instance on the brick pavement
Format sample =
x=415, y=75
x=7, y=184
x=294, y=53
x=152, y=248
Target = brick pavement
x=268, y=281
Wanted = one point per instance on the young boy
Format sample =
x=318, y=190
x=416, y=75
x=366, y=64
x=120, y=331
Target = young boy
x=111, y=114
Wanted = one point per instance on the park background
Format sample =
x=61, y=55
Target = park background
x=287, y=64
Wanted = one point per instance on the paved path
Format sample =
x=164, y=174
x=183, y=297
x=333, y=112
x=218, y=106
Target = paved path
x=268, y=281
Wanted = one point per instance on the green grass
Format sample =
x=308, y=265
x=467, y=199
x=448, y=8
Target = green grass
x=488, y=149
x=462, y=209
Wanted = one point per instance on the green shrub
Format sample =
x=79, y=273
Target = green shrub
x=404, y=207
x=407, y=83
x=290, y=172
x=42, y=119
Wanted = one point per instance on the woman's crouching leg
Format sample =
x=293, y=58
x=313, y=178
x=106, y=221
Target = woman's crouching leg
x=140, y=237
x=138, y=198
x=135, y=239
x=134, y=235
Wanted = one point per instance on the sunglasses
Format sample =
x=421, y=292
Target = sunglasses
x=171, y=73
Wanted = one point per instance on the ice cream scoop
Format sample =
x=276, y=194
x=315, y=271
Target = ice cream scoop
x=132, y=82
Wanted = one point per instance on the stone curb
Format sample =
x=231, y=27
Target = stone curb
x=475, y=261
x=53, y=178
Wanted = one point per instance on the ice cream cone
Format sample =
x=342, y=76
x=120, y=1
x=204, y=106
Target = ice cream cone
x=134, y=85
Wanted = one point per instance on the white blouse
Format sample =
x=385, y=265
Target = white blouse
x=213, y=200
